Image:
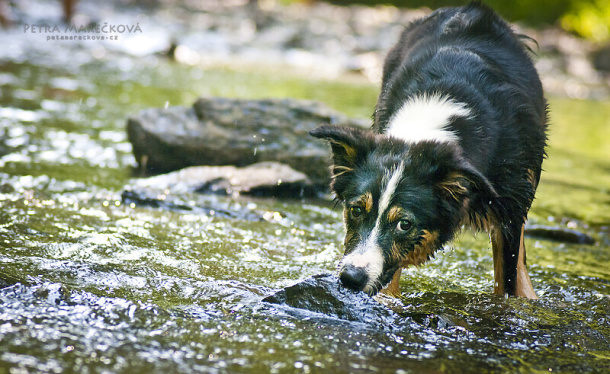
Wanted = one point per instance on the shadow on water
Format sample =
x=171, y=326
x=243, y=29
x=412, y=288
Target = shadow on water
x=95, y=282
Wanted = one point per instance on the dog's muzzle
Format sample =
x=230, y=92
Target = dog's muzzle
x=355, y=278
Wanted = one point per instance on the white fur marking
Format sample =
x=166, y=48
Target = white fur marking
x=368, y=254
x=369, y=257
x=388, y=192
x=426, y=117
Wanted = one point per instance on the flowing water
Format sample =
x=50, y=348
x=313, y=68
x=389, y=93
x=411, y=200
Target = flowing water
x=90, y=283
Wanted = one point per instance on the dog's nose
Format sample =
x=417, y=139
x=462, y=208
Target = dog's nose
x=354, y=277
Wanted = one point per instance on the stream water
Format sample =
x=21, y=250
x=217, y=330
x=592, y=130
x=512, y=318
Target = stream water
x=91, y=284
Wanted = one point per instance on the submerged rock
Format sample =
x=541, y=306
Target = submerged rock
x=323, y=296
x=219, y=131
x=156, y=198
x=7, y=280
x=560, y=234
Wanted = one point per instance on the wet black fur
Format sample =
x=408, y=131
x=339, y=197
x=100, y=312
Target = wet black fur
x=471, y=55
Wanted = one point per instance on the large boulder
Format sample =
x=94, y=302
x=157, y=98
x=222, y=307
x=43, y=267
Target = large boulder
x=220, y=131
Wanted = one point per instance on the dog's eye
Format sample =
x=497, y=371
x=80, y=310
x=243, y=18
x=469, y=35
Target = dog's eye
x=404, y=225
x=355, y=211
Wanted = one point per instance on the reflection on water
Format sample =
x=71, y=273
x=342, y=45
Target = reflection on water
x=91, y=283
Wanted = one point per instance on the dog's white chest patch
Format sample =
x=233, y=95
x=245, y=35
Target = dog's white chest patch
x=426, y=117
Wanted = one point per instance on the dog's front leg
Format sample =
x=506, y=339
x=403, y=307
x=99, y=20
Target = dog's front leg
x=524, y=284
x=393, y=289
x=510, y=271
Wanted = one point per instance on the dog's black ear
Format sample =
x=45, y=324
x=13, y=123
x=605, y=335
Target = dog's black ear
x=454, y=177
x=349, y=148
x=466, y=185
x=348, y=144
x=466, y=182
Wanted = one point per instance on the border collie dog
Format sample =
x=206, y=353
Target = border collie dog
x=458, y=138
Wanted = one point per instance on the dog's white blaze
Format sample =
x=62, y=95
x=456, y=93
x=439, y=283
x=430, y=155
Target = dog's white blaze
x=368, y=254
x=388, y=191
x=426, y=117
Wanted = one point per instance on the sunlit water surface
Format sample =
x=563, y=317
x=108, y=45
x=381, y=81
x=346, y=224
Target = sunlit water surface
x=90, y=284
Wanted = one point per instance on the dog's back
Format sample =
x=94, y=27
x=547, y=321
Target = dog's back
x=470, y=56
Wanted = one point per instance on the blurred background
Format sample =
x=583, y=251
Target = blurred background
x=99, y=274
x=587, y=18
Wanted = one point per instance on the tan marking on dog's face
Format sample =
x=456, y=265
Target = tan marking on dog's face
x=349, y=236
x=395, y=214
x=365, y=202
x=423, y=251
x=368, y=202
x=395, y=252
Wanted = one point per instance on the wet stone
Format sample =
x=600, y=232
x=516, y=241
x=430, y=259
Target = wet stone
x=54, y=293
x=6, y=188
x=322, y=296
x=265, y=179
x=220, y=131
x=559, y=234
x=155, y=198
x=7, y=280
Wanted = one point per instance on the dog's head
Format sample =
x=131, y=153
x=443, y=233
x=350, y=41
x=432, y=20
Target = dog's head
x=401, y=201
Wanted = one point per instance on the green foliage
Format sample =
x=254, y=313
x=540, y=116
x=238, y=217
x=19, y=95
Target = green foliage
x=527, y=11
x=589, y=19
